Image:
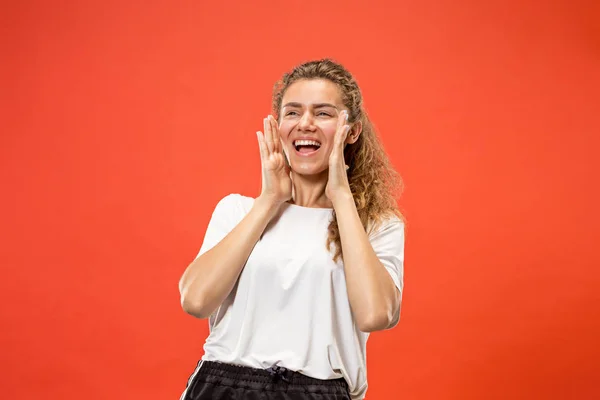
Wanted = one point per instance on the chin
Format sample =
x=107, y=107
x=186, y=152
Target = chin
x=304, y=169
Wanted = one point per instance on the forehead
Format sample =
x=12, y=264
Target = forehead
x=312, y=91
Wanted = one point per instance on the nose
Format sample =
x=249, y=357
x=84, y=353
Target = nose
x=306, y=122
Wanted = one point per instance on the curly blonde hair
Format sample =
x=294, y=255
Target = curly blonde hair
x=373, y=181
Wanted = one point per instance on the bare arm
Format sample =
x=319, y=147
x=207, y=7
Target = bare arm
x=373, y=296
x=209, y=279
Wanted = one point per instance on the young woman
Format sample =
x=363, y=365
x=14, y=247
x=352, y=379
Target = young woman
x=293, y=281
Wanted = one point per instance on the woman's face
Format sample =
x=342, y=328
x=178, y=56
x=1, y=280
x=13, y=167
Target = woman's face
x=308, y=122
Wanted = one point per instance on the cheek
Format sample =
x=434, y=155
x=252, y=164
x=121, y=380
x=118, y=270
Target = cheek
x=329, y=129
x=285, y=128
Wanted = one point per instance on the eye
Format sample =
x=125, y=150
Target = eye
x=291, y=113
x=324, y=114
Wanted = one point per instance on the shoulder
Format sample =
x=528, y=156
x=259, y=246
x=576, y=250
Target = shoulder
x=234, y=204
x=387, y=239
x=390, y=225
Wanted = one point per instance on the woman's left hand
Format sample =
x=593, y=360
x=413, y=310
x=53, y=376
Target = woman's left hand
x=337, y=184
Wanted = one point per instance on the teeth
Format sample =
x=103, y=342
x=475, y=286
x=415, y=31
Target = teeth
x=306, y=143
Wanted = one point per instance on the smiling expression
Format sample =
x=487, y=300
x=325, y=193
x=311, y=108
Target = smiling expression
x=308, y=123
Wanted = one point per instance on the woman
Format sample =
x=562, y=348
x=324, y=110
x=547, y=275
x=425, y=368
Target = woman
x=293, y=281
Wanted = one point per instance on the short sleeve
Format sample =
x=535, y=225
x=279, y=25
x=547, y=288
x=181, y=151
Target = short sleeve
x=225, y=217
x=388, y=243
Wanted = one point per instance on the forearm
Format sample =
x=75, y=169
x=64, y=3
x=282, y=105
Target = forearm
x=371, y=290
x=209, y=279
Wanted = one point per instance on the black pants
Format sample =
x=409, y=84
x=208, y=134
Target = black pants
x=217, y=381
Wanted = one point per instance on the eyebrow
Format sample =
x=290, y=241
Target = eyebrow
x=318, y=105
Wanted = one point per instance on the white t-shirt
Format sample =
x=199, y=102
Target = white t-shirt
x=290, y=306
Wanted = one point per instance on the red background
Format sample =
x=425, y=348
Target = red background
x=125, y=122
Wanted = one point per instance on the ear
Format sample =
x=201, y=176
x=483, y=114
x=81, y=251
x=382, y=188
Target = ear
x=354, y=133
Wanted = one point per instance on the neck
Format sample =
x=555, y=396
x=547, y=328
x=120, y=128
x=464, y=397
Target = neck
x=309, y=190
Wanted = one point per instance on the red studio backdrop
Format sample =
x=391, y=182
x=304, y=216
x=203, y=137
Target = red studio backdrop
x=124, y=122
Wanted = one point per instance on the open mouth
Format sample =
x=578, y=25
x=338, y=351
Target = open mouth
x=306, y=147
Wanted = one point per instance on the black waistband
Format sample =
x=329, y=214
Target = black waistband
x=269, y=375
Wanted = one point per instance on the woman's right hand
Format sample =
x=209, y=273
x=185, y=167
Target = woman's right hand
x=276, y=181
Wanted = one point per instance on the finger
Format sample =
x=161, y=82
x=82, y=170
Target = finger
x=337, y=153
x=262, y=146
x=275, y=130
x=284, y=152
x=343, y=125
x=340, y=137
x=340, y=148
x=343, y=119
x=268, y=135
x=346, y=134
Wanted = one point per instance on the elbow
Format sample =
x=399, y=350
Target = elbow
x=373, y=322
x=378, y=321
x=195, y=307
x=193, y=299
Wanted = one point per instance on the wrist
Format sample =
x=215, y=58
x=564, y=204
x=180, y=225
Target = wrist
x=342, y=199
x=266, y=205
